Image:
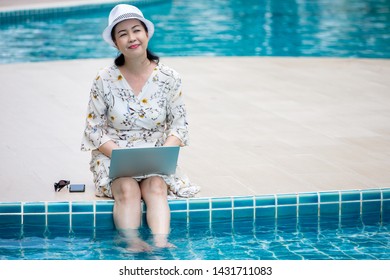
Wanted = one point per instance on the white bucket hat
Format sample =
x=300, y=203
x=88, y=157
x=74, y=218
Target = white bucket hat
x=123, y=12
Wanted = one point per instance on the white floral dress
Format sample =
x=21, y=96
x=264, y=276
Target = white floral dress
x=115, y=113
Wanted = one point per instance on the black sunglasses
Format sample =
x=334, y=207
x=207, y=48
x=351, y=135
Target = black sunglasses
x=62, y=183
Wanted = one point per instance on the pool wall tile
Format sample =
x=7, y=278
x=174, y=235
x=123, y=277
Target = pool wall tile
x=104, y=221
x=7, y=207
x=30, y=230
x=266, y=200
x=34, y=219
x=350, y=208
x=367, y=206
x=104, y=206
x=243, y=202
x=197, y=204
x=265, y=213
x=329, y=209
x=306, y=198
x=178, y=205
x=371, y=195
x=371, y=212
x=289, y=211
x=329, y=197
x=350, y=196
x=34, y=207
x=265, y=222
x=308, y=210
x=179, y=217
x=243, y=213
x=286, y=199
x=85, y=207
x=217, y=203
x=198, y=216
x=350, y=211
x=10, y=220
x=82, y=220
x=58, y=207
x=56, y=219
x=386, y=211
x=221, y=215
x=386, y=193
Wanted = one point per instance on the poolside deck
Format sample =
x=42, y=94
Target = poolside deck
x=258, y=125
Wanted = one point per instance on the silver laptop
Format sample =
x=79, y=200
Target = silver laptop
x=135, y=162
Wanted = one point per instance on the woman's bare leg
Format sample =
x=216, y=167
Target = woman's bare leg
x=158, y=214
x=127, y=211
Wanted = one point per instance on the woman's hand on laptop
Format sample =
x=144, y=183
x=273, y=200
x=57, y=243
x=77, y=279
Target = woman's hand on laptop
x=173, y=141
x=107, y=148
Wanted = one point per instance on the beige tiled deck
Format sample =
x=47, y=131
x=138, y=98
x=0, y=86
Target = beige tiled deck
x=258, y=125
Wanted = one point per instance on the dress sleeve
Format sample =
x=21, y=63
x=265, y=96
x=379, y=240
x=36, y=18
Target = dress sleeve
x=95, y=133
x=176, y=114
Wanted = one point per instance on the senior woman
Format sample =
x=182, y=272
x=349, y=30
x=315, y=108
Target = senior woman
x=136, y=102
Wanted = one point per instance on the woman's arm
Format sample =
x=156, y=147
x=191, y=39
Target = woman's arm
x=107, y=148
x=94, y=132
x=177, y=126
x=173, y=141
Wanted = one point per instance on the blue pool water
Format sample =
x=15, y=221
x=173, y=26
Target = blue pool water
x=244, y=240
x=331, y=28
x=337, y=225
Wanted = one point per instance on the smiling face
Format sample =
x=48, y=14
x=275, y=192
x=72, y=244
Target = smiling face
x=131, y=38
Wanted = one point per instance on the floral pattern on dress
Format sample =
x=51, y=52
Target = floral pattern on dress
x=144, y=120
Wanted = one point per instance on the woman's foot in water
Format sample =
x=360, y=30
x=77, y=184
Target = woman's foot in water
x=137, y=245
x=161, y=241
x=134, y=242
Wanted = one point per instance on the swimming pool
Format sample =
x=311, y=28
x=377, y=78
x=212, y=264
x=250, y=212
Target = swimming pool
x=336, y=225
x=331, y=225
x=328, y=28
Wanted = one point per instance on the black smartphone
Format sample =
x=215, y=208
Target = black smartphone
x=76, y=188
